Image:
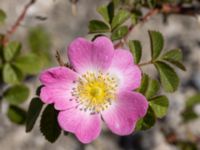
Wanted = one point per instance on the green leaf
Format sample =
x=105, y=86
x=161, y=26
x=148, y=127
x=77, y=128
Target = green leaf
x=34, y=110
x=136, y=50
x=116, y=3
x=97, y=26
x=157, y=43
x=159, y=105
x=144, y=84
x=39, y=40
x=147, y=122
x=193, y=100
x=11, y=50
x=134, y=18
x=174, y=57
x=29, y=63
x=16, y=114
x=40, y=43
x=2, y=16
x=189, y=114
x=152, y=88
x=119, y=18
x=119, y=33
x=38, y=90
x=107, y=12
x=175, y=54
x=11, y=74
x=177, y=64
x=49, y=125
x=168, y=77
x=103, y=10
x=16, y=94
x=149, y=87
x=187, y=145
x=151, y=3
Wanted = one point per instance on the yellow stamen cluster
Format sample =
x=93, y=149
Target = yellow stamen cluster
x=94, y=92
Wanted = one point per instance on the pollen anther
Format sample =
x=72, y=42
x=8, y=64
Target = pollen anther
x=94, y=92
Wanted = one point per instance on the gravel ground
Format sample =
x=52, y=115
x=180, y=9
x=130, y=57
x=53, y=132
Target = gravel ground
x=180, y=32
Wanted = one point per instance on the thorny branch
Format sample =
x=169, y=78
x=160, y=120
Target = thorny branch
x=74, y=7
x=60, y=60
x=179, y=9
x=172, y=137
x=15, y=26
x=131, y=27
x=145, y=63
x=166, y=9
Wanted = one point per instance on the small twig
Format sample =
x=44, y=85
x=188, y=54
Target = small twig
x=18, y=22
x=165, y=9
x=151, y=13
x=131, y=27
x=145, y=63
x=74, y=7
x=59, y=59
x=171, y=138
x=179, y=9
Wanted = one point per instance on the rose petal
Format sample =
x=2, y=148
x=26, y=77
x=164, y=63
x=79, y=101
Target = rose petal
x=103, y=52
x=61, y=98
x=123, y=114
x=79, y=54
x=85, y=55
x=125, y=71
x=122, y=58
x=85, y=126
x=58, y=76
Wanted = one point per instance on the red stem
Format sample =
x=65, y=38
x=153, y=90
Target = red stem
x=17, y=23
x=165, y=9
x=131, y=27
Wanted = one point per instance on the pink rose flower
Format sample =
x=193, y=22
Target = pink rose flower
x=99, y=87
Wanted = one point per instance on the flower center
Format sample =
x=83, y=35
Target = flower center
x=94, y=92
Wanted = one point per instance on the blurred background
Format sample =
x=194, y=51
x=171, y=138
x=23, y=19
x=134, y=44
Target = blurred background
x=55, y=21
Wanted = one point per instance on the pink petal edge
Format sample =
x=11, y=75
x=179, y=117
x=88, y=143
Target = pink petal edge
x=57, y=88
x=124, y=69
x=57, y=76
x=79, y=53
x=86, y=55
x=85, y=126
x=122, y=116
x=61, y=98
